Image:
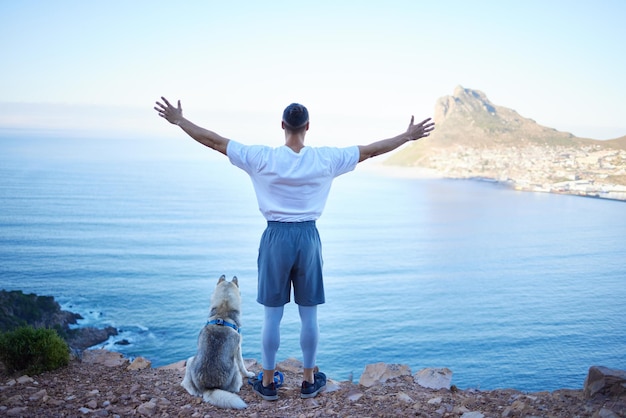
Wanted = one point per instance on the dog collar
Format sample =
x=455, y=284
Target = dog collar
x=220, y=321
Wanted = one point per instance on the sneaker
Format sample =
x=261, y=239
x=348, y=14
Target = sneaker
x=269, y=393
x=310, y=390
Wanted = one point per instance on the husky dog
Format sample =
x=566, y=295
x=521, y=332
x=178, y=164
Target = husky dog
x=215, y=371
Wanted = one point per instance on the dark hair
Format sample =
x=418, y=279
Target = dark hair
x=295, y=116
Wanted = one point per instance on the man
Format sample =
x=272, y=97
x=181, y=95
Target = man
x=292, y=183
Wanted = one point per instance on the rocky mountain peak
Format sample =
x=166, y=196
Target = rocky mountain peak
x=463, y=103
x=469, y=118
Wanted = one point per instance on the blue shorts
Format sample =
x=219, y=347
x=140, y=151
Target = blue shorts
x=290, y=252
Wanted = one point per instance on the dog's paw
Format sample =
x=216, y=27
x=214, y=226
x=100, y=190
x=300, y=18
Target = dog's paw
x=249, y=374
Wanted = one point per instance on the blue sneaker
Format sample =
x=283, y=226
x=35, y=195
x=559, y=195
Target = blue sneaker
x=310, y=390
x=269, y=393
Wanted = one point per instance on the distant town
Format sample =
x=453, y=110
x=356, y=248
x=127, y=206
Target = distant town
x=585, y=171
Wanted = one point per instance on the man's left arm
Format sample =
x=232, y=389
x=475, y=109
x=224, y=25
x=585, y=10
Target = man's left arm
x=413, y=133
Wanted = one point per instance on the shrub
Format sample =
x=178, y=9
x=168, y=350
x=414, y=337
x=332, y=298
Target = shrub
x=33, y=350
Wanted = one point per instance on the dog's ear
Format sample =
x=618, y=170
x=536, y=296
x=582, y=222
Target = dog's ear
x=235, y=281
x=221, y=279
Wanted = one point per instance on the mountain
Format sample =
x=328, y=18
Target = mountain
x=474, y=138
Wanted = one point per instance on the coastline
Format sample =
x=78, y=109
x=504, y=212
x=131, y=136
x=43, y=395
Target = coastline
x=580, y=188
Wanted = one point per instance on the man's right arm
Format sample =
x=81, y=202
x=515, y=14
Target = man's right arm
x=206, y=137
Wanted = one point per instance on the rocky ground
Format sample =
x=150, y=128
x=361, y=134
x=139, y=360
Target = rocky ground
x=106, y=387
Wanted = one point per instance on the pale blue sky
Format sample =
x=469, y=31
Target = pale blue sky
x=361, y=67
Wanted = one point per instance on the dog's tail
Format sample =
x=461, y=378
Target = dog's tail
x=223, y=399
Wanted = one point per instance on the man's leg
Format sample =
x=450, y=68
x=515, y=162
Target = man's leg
x=309, y=337
x=271, y=341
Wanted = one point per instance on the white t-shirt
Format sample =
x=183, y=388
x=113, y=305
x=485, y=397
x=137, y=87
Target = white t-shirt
x=291, y=186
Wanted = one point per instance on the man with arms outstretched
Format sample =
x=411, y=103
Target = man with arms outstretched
x=292, y=183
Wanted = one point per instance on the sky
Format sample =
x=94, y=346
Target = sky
x=361, y=67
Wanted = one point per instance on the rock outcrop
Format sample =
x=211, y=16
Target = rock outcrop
x=19, y=309
x=82, y=338
x=605, y=381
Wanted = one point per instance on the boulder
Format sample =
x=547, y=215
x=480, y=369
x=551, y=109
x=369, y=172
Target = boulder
x=380, y=372
x=104, y=357
x=610, y=382
x=139, y=363
x=434, y=378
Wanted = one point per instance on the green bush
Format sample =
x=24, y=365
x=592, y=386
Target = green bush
x=33, y=350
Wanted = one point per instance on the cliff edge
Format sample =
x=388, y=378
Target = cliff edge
x=106, y=384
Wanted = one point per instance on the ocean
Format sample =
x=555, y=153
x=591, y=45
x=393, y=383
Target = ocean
x=507, y=289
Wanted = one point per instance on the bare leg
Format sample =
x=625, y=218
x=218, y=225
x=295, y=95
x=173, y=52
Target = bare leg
x=308, y=375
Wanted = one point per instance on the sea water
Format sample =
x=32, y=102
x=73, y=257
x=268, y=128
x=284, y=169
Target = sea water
x=505, y=288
